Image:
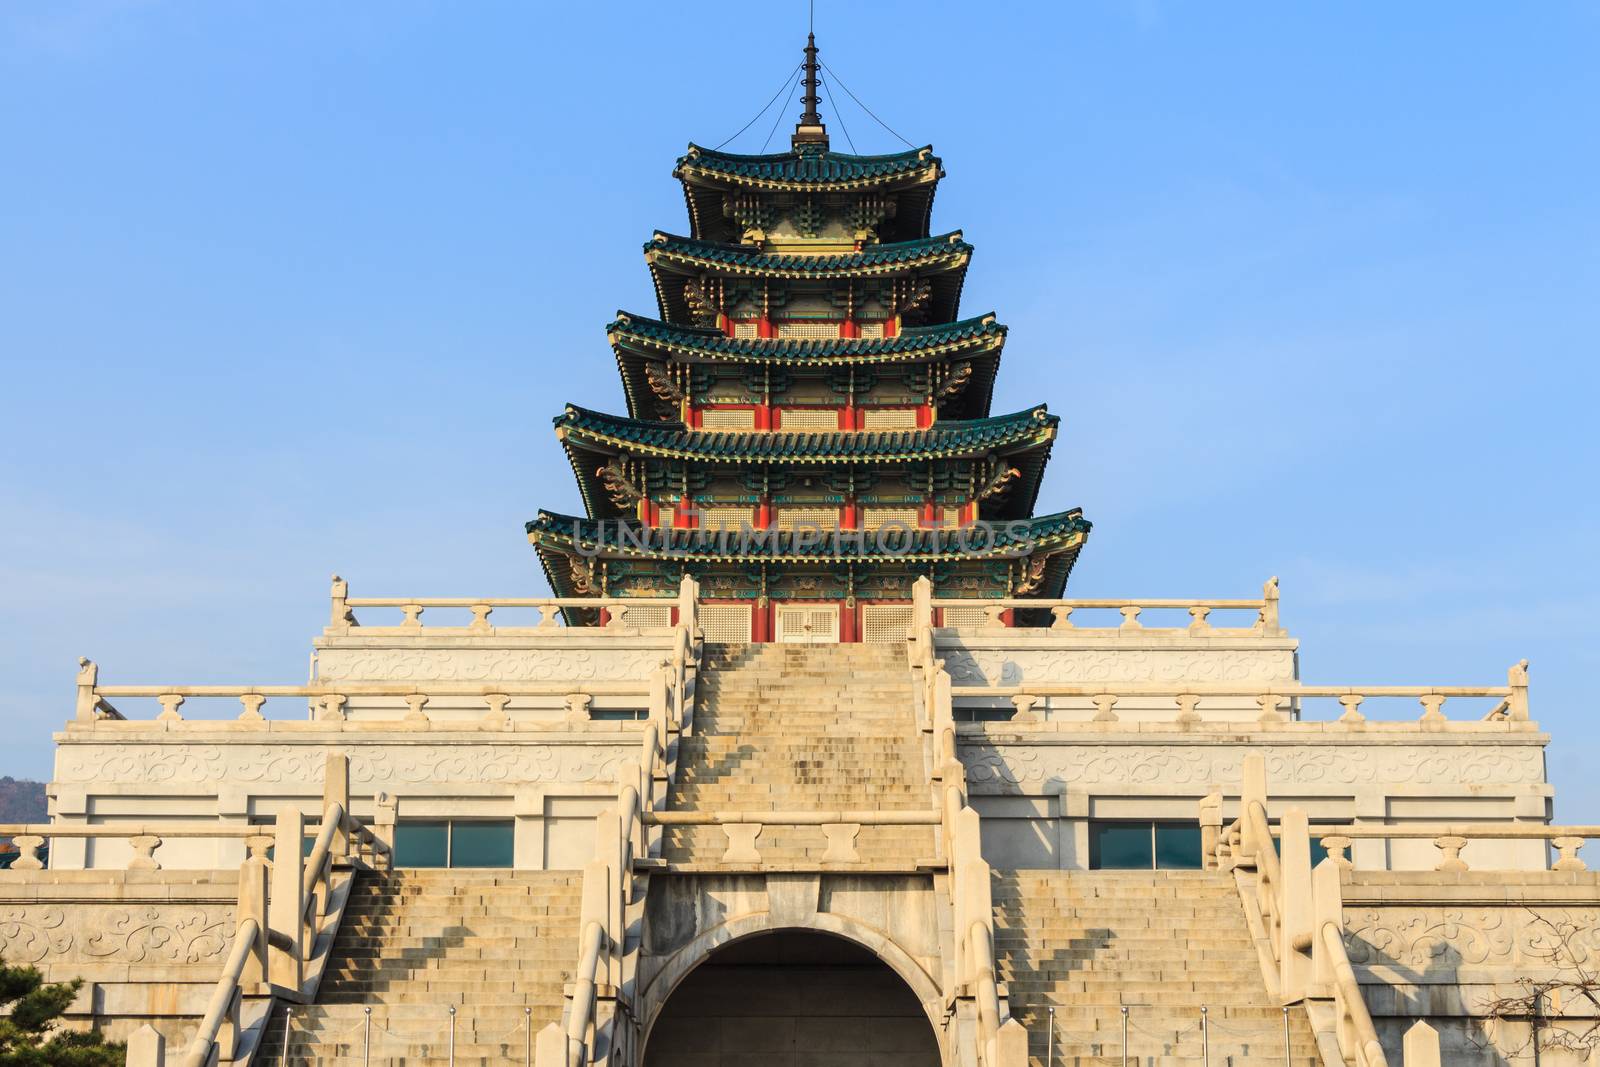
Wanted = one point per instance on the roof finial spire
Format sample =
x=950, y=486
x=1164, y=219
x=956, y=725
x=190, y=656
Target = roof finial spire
x=810, y=130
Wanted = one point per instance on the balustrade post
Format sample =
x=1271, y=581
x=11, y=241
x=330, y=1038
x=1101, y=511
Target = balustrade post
x=1295, y=907
x=1517, y=703
x=921, y=604
x=1270, y=715
x=1061, y=617
x=1210, y=828
x=1011, y=1045
x=1352, y=708
x=1199, y=624
x=253, y=875
x=385, y=815
x=287, y=904
x=251, y=704
x=1104, y=703
x=480, y=623
x=1130, y=617
x=340, y=617
x=1420, y=1046
x=1432, y=703
x=146, y=1048
x=415, y=703
x=336, y=790
x=88, y=674
x=1268, y=622
x=1253, y=790
x=170, y=703
x=1337, y=846
x=1327, y=907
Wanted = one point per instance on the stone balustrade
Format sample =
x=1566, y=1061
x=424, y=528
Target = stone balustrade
x=328, y=703
x=1451, y=838
x=1068, y=614
x=474, y=615
x=1068, y=703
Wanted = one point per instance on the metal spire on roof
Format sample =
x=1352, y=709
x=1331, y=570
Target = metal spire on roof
x=810, y=130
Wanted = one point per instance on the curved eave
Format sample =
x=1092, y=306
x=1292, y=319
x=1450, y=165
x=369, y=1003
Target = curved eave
x=943, y=260
x=1064, y=532
x=1026, y=445
x=952, y=439
x=637, y=341
x=709, y=177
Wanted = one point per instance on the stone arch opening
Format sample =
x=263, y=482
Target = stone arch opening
x=792, y=998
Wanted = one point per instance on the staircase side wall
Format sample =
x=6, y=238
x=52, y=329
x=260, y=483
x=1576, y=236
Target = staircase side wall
x=149, y=945
x=1443, y=948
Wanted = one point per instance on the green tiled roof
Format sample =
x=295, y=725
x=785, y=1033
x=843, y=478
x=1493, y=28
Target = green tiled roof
x=1062, y=532
x=806, y=167
x=744, y=259
x=712, y=341
x=945, y=439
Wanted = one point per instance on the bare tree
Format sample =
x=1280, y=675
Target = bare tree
x=1567, y=982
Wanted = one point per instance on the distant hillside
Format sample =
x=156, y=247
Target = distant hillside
x=21, y=801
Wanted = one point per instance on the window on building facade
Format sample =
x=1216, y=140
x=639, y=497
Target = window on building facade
x=792, y=518
x=454, y=843
x=1144, y=846
x=872, y=329
x=808, y=420
x=728, y=419
x=808, y=331
x=747, y=329
x=889, y=418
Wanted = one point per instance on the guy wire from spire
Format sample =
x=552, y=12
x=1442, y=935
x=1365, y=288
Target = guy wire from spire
x=786, y=81
x=834, y=75
x=838, y=113
x=779, y=118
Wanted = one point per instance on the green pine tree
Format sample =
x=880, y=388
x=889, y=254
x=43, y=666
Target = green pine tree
x=29, y=1032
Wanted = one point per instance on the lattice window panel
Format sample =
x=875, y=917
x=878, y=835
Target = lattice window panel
x=965, y=618
x=747, y=329
x=723, y=517
x=807, y=624
x=818, y=518
x=808, y=420
x=872, y=329
x=809, y=331
x=883, y=624
x=647, y=616
x=950, y=518
x=726, y=622
x=877, y=518
x=728, y=419
x=889, y=419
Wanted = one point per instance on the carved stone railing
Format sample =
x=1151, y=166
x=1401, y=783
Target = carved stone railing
x=1280, y=701
x=599, y=1023
x=971, y=973
x=289, y=905
x=328, y=700
x=1451, y=838
x=547, y=613
x=1301, y=912
x=1066, y=614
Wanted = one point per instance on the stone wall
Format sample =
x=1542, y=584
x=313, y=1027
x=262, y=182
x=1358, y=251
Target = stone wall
x=149, y=945
x=1442, y=947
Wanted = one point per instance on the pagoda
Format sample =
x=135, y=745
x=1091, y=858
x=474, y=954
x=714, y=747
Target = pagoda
x=808, y=426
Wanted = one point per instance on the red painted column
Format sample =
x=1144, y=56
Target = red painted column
x=764, y=417
x=850, y=515
x=924, y=416
x=764, y=327
x=849, y=633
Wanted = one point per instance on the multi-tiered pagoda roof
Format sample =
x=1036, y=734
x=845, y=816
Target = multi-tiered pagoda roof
x=807, y=381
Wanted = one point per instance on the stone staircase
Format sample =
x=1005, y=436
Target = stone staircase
x=415, y=943
x=807, y=728
x=1162, y=942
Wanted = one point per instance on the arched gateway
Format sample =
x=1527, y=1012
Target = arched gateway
x=791, y=997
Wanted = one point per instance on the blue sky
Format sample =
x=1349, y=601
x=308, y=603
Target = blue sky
x=289, y=288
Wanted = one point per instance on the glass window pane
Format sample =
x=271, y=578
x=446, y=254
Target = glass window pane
x=481, y=844
x=1119, y=846
x=1178, y=846
x=421, y=844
